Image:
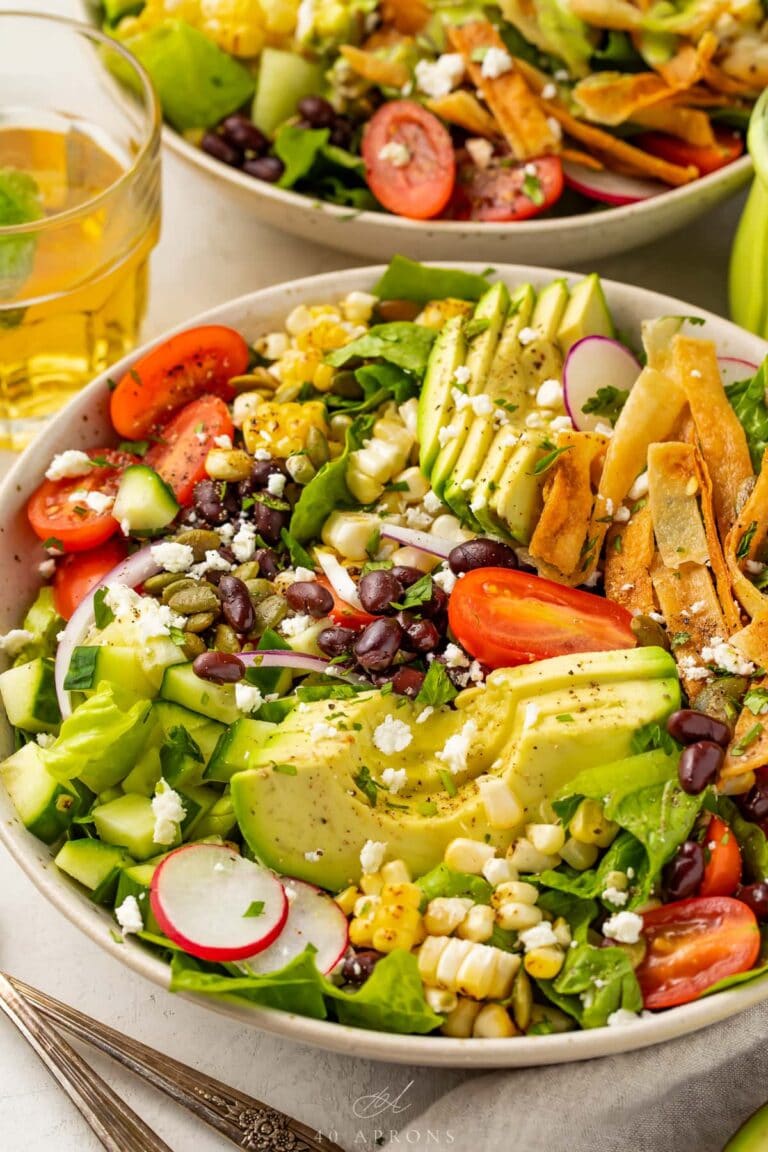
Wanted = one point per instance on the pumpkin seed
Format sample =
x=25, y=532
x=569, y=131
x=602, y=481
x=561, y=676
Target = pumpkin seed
x=193, y=645
x=156, y=584
x=269, y=613
x=300, y=468
x=317, y=447
x=225, y=639
x=178, y=585
x=199, y=598
x=200, y=540
x=199, y=621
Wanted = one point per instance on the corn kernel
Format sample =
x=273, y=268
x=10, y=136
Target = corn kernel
x=347, y=899
x=562, y=931
x=441, y=1000
x=365, y=488
x=546, y=838
x=618, y=880
x=577, y=855
x=323, y=377
x=228, y=464
x=590, y=826
x=449, y=528
x=414, y=558
x=453, y=955
x=508, y=965
x=493, y=1023
x=349, y=533
x=371, y=883
x=498, y=871
x=298, y=320
x=323, y=335
x=358, y=306
x=517, y=917
x=522, y=999
x=459, y=1022
x=502, y=807
x=395, y=872
x=245, y=405
x=516, y=890
x=525, y=858
x=478, y=924
x=444, y=914
x=465, y=855
x=477, y=970
x=437, y=313
x=543, y=963
x=417, y=485
x=282, y=428
x=361, y=933
x=407, y=894
x=365, y=906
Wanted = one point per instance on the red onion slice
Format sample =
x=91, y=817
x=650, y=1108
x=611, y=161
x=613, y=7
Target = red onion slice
x=301, y=662
x=339, y=578
x=423, y=541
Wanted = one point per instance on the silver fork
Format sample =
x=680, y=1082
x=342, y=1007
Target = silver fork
x=247, y=1122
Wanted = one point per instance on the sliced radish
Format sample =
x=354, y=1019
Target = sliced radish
x=422, y=541
x=215, y=904
x=593, y=363
x=313, y=918
x=732, y=369
x=610, y=187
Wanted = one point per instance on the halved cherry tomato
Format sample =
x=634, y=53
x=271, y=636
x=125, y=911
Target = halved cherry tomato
x=728, y=148
x=201, y=360
x=57, y=512
x=78, y=573
x=723, y=870
x=505, y=618
x=692, y=944
x=514, y=193
x=410, y=164
x=344, y=614
x=185, y=441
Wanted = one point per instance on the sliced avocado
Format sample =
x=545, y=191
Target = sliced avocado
x=586, y=314
x=459, y=490
x=435, y=402
x=491, y=308
x=487, y=483
x=753, y=1134
x=517, y=500
x=313, y=793
x=550, y=306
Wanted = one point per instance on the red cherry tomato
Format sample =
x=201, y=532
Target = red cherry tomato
x=514, y=193
x=76, y=575
x=185, y=441
x=344, y=614
x=410, y=164
x=692, y=944
x=59, y=511
x=505, y=618
x=723, y=870
x=728, y=148
x=201, y=360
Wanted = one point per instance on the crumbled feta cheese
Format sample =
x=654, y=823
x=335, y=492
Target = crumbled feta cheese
x=593, y=580
x=358, y=306
x=440, y=77
x=98, y=502
x=549, y=92
x=462, y=375
x=454, y=657
x=395, y=153
x=480, y=151
x=372, y=856
x=477, y=504
x=415, y=518
x=615, y=896
x=13, y=642
x=128, y=915
x=444, y=579
x=276, y=484
x=125, y=526
x=392, y=736
x=693, y=670
x=424, y=714
x=169, y=813
x=562, y=76
x=248, y=697
x=476, y=673
x=446, y=433
x=394, y=779
x=432, y=503
x=624, y=927
x=314, y=857
x=173, y=557
x=67, y=465
x=561, y=424
x=45, y=739
x=216, y=562
x=621, y=515
x=295, y=625
x=496, y=62
x=243, y=542
x=621, y=1017
x=322, y=731
x=539, y=936
x=754, y=567
x=603, y=429
x=726, y=658
x=527, y=336
x=201, y=437
x=46, y=568
x=550, y=394
x=456, y=748
x=696, y=373
x=639, y=488
x=150, y=618
x=223, y=441
x=304, y=575
x=262, y=454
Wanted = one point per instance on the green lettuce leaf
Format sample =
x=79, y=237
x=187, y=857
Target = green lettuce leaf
x=625, y=852
x=406, y=279
x=578, y=912
x=308, y=156
x=101, y=739
x=443, y=881
x=401, y=343
x=328, y=490
x=660, y=817
x=747, y=398
x=594, y=983
x=378, y=382
x=612, y=782
x=391, y=1000
x=298, y=148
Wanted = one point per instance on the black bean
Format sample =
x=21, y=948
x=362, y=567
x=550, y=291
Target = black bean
x=406, y=575
x=342, y=132
x=755, y=896
x=236, y=604
x=267, y=562
x=481, y=553
x=266, y=168
x=754, y=804
x=420, y=635
x=209, y=498
x=359, y=966
x=377, y=647
x=378, y=590
x=683, y=875
x=221, y=149
x=336, y=641
x=243, y=134
x=219, y=667
x=310, y=597
x=407, y=682
x=261, y=472
x=687, y=726
x=699, y=764
x=269, y=522
x=317, y=112
x=435, y=607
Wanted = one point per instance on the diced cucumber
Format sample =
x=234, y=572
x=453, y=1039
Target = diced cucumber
x=93, y=864
x=46, y=806
x=143, y=778
x=219, y=820
x=44, y=622
x=135, y=881
x=284, y=79
x=181, y=759
x=90, y=664
x=198, y=801
x=233, y=751
x=29, y=696
x=216, y=701
x=144, y=502
x=275, y=711
x=130, y=822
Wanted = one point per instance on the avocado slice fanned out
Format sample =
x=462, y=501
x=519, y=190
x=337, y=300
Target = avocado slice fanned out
x=316, y=790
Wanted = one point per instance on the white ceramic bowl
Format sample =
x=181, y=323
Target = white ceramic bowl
x=84, y=423
x=574, y=239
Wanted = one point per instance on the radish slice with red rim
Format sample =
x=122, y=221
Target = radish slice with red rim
x=313, y=918
x=217, y=905
x=733, y=369
x=610, y=187
x=593, y=363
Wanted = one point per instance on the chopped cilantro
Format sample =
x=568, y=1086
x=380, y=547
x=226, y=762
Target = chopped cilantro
x=102, y=613
x=437, y=688
x=747, y=740
x=418, y=593
x=367, y=785
x=746, y=540
x=447, y=782
x=548, y=460
x=255, y=908
x=607, y=402
x=677, y=639
x=135, y=447
x=757, y=701
x=532, y=188
x=53, y=542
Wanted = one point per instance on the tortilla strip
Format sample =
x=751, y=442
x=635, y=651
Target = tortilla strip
x=408, y=16
x=687, y=66
x=576, y=156
x=687, y=124
x=754, y=512
x=377, y=69
x=465, y=110
x=728, y=81
x=614, y=97
x=752, y=641
x=673, y=487
x=755, y=755
x=513, y=104
x=718, y=566
x=627, y=570
x=616, y=14
x=676, y=590
x=721, y=436
x=568, y=498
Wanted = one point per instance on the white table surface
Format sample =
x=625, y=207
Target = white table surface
x=212, y=250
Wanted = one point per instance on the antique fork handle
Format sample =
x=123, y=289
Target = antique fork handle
x=117, y=1126
x=245, y=1121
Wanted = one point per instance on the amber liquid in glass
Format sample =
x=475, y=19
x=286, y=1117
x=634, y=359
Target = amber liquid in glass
x=80, y=303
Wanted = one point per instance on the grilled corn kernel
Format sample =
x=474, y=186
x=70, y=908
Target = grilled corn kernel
x=414, y=558
x=525, y=858
x=237, y=26
x=298, y=320
x=618, y=880
x=395, y=872
x=522, y=999
x=459, y=1022
x=476, y=972
x=349, y=533
x=272, y=346
x=361, y=933
x=228, y=464
x=365, y=906
x=323, y=378
x=502, y=807
x=372, y=883
x=437, y=313
x=444, y=914
x=562, y=931
x=465, y=855
x=409, y=414
x=245, y=405
x=469, y=968
x=577, y=855
x=590, y=826
x=347, y=900
x=417, y=485
x=365, y=489
x=516, y=890
x=498, y=871
x=515, y=916
x=478, y=924
x=546, y=838
x=508, y=965
x=358, y=306
x=282, y=428
x=323, y=336
x=493, y=1023
x=544, y=963
x=397, y=922
x=449, y=528
x=441, y=1000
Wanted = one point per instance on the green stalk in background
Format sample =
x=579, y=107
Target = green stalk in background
x=749, y=255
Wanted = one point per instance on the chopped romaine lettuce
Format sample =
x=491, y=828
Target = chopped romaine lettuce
x=747, y=398
x=328, y=489
x=593, y=984
x=101, y=740
x=406, y=345
x=443, y=881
